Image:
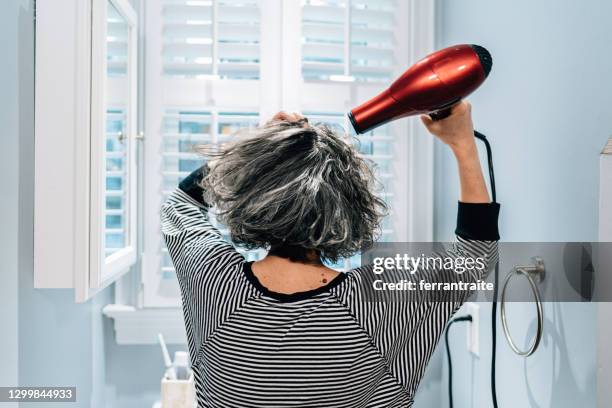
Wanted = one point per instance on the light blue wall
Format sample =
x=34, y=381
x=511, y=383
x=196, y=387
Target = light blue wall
x=46, y=338
x=9, y=203
x=547, y=110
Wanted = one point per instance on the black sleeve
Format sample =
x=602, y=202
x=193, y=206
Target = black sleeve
x=478, y=221
x=191, y=185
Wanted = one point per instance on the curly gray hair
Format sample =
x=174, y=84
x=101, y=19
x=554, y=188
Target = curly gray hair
x=296, y=185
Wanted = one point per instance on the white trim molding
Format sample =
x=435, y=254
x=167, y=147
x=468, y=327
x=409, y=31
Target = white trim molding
x=141, y=326
x=421, y=149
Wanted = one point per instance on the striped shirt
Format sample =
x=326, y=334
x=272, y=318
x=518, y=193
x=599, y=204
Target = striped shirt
x=328, y=347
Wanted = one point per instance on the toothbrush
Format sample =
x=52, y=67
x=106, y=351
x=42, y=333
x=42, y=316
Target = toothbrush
x=167, y=362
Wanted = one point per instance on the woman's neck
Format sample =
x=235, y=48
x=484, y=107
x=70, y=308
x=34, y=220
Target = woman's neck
x=282, y=275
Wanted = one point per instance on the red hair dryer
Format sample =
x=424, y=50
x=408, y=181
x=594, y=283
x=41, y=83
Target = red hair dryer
x=432, y=86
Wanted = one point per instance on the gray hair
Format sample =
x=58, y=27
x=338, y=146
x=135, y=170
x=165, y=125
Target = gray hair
x=295, y=184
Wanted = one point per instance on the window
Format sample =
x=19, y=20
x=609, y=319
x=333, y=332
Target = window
x=348, y=40
x=204, y=83
x=213, y=67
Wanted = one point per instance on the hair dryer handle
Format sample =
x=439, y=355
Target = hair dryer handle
x=440, y=114
x=443, y=111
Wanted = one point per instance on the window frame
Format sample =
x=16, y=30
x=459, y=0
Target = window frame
x=103, y=268
x=413, y=207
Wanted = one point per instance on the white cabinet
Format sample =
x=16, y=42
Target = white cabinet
x=85, y=144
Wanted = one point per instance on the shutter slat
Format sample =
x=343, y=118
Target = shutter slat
x=372, y=71
x=388, y=5
x=226, y=69
x=323, y=14
x=323, y=52
x=370, y=17
x=373, y=35
x=187, y=52
x=180, y=31
x=181, y=13
x=239, y=51
x=321, y=70
x=117, y=30
x=239, y=14
x=117, y=49
x=323, y=32
x=382, y=55
x=239, y=32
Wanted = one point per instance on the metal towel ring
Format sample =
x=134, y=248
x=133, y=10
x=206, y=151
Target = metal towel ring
x=538, y=270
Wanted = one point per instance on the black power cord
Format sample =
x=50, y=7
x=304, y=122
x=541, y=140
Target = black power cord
x=448, y=356
x=494, y=337
x=484, y=140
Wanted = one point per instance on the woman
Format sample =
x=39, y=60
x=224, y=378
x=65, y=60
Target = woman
x=287, y=331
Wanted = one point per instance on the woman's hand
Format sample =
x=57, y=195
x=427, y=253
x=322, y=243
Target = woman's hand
x=457, y=131
x=287, y=117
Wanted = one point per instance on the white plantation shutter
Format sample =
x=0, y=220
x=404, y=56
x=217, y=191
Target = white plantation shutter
x=348, y=39
x=323, y=30
x=372, y=39
x=211, y=38
x=203, y=62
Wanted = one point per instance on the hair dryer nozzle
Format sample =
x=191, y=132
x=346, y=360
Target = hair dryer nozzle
x=485, y=58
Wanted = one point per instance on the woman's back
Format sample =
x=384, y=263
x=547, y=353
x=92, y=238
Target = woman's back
x=328, y=347
x=305, y=350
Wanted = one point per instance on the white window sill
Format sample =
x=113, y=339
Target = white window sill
x=141, y=326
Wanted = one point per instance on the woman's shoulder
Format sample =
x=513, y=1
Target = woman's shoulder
x=208, y=264
x=368, y=285
x=357, y=282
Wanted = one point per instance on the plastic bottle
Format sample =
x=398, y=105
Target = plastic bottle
x=181, y=365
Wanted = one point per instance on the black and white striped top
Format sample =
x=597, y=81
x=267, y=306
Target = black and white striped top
x=327, y=347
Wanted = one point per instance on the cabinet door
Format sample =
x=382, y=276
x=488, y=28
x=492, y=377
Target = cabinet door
x=85, y=153
x=113, y=192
